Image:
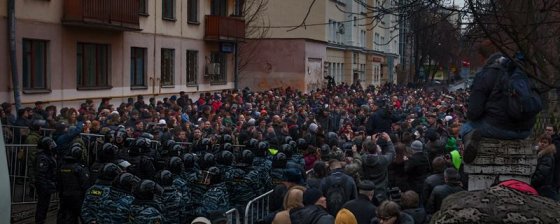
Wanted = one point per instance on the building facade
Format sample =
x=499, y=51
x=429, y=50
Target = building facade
x=71, y=50
x=338, y=40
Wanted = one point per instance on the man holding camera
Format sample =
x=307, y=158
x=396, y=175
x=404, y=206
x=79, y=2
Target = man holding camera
x=375, y=163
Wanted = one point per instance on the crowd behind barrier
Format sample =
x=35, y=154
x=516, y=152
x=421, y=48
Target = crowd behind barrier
x=337, y=123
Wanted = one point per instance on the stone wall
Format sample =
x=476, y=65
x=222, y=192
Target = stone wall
x=502, y=160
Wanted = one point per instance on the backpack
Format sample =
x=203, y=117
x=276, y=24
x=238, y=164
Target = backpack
x=336, y=197
x=522, y=99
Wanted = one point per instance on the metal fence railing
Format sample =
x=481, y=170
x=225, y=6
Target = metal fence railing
x=20, y=168
x=92, y=144
x=15, y=134
x=258, y=208
x=233, y=216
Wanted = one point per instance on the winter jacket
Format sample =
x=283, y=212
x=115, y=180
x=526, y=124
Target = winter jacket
x=544, y=174
x=347, y=183
x=375, y=168
x=430, y=183
x=418, y=168
x=488, y=104
x=418, y=214
x=362, y=209
x=311, y=214
x=438, y=194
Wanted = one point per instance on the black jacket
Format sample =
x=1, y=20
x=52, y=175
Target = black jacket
x=487, y=103
x=418, y=214
x=311, y=214
x=45, y=167
x=346, y=182
x=362, y=209
x=73, y=179
x=378, y=122
x=544, y=174
x=417, y=167
x=375, y=168
x=429, y=184
x=438, y=194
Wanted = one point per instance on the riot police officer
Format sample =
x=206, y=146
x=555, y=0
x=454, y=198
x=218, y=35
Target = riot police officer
x=116, y=208
x=145, y=208
x=97, y=194
x=45, y=177
x=142, y=165
x=72, y=177
x=171, y=199
x=216, y=199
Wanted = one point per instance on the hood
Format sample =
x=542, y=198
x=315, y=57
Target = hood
x=549, y=150
x=307, y=214
x=371, y=160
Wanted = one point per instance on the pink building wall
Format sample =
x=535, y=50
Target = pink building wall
x=278, y=63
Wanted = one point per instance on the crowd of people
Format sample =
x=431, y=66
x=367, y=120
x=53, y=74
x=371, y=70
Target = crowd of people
x=343, y=154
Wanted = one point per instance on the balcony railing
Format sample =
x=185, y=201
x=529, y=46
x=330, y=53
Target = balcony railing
x=106, y=14
x=224, y=28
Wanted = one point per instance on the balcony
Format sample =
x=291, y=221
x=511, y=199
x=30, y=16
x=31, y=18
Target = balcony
x=103, y=14
x=223, y=28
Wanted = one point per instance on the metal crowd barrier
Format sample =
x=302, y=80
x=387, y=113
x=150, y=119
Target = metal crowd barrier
x=233, y=216
x=257, y=208
x=20, y=160
x=15, y=134
x=93, y=143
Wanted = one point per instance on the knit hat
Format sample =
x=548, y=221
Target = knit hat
x=313, y=128
x=311, y=195
x=417, y=146
x=345, y=216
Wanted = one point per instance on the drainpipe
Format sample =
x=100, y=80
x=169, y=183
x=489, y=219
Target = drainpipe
x=12, y=48
x=236, y=66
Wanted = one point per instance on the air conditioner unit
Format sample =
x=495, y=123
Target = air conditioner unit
x=212, y=69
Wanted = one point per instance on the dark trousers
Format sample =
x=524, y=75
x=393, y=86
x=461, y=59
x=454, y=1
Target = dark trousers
x=43, y=201
x=69, y=210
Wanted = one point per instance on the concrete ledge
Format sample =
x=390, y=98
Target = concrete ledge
x=501, y=160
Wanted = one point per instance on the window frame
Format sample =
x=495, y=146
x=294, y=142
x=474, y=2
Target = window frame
x=170, y=70
x=80, y=75
x=134, y=51
x=192, y=68
x=165, y=14
x=219, y=57
x=143, y=11
x=29, y=86
x=193, y=19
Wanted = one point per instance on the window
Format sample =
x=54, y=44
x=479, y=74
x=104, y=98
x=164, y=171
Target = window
x=35, y=64
x=167, y=66
x=143, y=7
x=192, y=67
x=218, y=8
x=138, y=67
x=239, y=7
x=93, y=65
x=220, y=58
x=355, y=21
x=192, y=11
x=168, y=9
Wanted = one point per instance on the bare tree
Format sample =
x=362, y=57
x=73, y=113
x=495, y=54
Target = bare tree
x=256, y=28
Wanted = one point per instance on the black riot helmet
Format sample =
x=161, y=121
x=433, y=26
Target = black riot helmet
x=227, y=139
x=253, y=144
x=279, y=160
x=126, y=182
x=190, y=160
x=207, y=161
x=169, y=144
x=247, y=157
x=228, y=147
x=47, y=144
x=109, y=172
x=225, y=158
x=287, y=149
x=332, y=138
x=76, y=153
x=164, y=178
x=36, y=125
x=142, y=144
x=211, y=176
x=302, y=144
x=108, y=151
x=287, y=139
x=146, y=189
x=205, y=144
x=176, y=150
x=175, y=165
x=293, y=144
